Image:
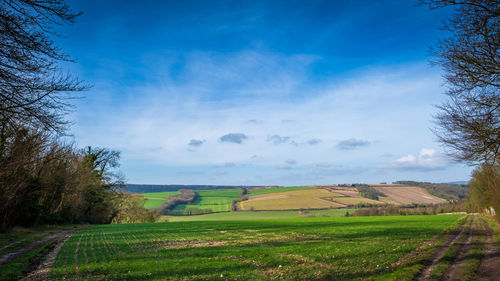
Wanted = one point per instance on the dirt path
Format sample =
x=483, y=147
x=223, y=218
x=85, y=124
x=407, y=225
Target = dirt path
x=450, y=239
x=452, y=270
x=8, y=257
x=489, y=268
x=42, y=272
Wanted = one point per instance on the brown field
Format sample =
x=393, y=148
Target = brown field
x=404, y=194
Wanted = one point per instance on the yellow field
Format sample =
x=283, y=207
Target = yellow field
x=292, y=200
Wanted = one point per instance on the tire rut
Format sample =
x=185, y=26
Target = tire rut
x=42, y=272
x=489, y=269
x=451, y=238
x=452, y=270
x=12, y=255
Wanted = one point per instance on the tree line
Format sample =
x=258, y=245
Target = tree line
x=42, y=178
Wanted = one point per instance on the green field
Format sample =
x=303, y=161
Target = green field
x=218, y=200
x=242, y=215
x=163, y=195
x=290, y=249
x=153, y=203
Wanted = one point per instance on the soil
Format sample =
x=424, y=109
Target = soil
x=489, y=268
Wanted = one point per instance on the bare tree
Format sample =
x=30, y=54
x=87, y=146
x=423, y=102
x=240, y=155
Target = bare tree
x=34, y=91
x=469, y=121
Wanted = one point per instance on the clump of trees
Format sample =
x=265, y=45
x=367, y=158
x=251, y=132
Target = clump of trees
x=44, y=181
x=469, y=120
x=243, y=197
x=369, y=192
x=186, y=196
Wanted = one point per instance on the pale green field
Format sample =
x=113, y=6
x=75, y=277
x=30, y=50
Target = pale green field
x=244, y=215
x=155, y=199
x=153, y=203
x=163, y=195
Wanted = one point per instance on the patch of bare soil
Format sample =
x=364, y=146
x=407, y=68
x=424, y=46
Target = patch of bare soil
x=489, y=268
x=449, y=240
x=192, y=244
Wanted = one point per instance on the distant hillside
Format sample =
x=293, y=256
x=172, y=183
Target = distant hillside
x=147, y=188
x=447, y=191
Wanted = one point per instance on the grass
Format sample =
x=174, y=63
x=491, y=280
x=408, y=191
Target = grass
x=291, y=200
x=292, y=249
x=260, y=215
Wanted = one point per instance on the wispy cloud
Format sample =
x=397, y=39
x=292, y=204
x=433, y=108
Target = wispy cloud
x=313, y=141
x=233, y=138
x=195, y=142
x=276, y=139
x=352, y=143
x=288, y=165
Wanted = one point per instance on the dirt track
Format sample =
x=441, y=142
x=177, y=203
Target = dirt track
x=40, y=272
x=468, y=235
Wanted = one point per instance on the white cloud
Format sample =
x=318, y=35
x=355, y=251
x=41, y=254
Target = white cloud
x=427, y=159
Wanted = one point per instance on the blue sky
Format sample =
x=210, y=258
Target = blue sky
x=261, y=92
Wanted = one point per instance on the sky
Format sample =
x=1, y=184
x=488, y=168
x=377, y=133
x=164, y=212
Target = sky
x=261, y=92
